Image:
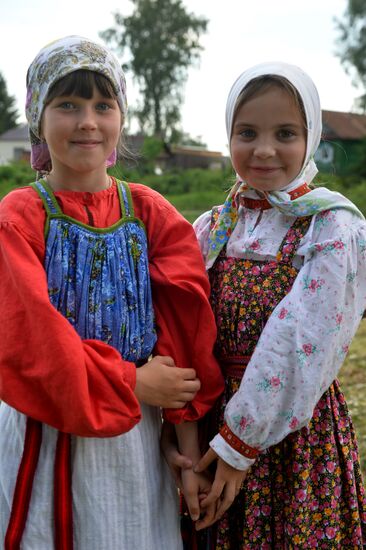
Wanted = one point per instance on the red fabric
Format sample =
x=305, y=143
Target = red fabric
x=23, y=487
x=263, y=204
x=63, y=493
x=84, y=387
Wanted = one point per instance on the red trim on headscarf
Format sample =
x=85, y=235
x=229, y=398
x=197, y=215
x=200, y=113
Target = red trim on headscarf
x=263, y=204
x=63, y=493
x=24, y=483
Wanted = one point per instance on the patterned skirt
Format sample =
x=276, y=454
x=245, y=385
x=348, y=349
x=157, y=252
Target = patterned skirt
x=303, y=493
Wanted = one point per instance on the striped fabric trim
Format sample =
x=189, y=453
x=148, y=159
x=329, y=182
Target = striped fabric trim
x=63, y=494
x=24, y=483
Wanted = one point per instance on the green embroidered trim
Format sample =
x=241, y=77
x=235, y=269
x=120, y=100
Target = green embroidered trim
x=129, y=198
x=46, y=186
x=100, y=230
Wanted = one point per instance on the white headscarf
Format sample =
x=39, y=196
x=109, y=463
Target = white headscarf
x=310, y=98
x=317, y=200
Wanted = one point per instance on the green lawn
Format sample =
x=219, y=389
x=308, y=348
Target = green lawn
x=353, y=380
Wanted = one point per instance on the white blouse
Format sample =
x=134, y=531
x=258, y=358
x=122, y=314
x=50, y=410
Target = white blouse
x=307, y=337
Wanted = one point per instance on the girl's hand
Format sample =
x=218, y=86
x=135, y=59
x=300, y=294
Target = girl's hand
x=160, y=383
x=169, y=446
x=224, y=489
x=195, y=488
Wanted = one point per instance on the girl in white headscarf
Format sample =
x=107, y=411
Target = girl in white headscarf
x=288, y=275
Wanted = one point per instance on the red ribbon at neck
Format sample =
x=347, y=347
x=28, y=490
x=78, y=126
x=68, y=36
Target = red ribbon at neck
x=263, y=204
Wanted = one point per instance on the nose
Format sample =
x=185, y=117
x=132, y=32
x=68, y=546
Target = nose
x=87, y=119
x=264, y=148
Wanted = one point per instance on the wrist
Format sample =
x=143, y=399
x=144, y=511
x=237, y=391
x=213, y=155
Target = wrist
x=139, y=385
x=187, y=437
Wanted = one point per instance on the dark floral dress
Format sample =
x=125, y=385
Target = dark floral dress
x=306, y=492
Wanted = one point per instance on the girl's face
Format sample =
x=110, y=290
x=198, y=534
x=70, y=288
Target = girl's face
x=81, y=134
x=268, y=141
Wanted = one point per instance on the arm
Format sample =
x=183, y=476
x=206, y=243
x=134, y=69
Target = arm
x=46, y=371
x=169, y=448
x=185, y=322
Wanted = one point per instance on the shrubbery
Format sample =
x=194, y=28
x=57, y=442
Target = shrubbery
x=15, y=175
x=191, y=191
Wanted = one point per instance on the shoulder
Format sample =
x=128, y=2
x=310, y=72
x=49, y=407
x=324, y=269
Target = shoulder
x=337, y=221
x=205, y=221
x=18, y=202
x=23, y=207
x=141, y=193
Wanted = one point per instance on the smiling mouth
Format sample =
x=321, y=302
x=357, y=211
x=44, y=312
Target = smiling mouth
x=264, y=168
x=86, y=144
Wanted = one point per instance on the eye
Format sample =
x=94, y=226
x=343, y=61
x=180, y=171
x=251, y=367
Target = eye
x=248, y=133
x=67, y=105
x=285, y=133
x=102, y=106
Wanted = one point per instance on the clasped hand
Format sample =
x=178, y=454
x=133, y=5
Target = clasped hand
x=162, y=384
x=207, y=499
x=225, y=487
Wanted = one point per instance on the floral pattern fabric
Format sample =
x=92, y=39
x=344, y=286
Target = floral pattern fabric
x=303, y=493
x=288, y=296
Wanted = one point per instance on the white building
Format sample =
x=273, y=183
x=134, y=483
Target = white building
x=15, y=145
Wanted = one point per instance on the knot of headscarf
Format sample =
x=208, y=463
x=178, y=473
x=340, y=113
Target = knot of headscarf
x=317, y=200
x=53, y=62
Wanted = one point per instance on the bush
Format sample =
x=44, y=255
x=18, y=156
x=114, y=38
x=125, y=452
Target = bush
x=15, y=175
x=193, y=190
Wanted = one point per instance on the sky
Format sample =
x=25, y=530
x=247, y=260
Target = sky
x=240, y=34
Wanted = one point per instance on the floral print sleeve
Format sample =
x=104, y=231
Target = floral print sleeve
x=305, y=339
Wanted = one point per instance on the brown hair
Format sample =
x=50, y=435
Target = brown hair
x=81, y=83
x=263, y=83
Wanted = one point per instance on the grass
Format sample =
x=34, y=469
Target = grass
x=191, y=205
x=353, y=380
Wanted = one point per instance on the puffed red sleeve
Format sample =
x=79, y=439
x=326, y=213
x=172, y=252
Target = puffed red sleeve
x=47, y=372
x=185, y=322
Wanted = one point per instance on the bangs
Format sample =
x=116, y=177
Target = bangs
x=81, y=83
x=263, y=83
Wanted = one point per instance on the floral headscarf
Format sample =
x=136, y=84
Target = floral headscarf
x=52, y=63
x=317, y=200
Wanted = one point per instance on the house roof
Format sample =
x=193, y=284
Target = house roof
x=20, y=133
x=195, y=151
x=338, y=125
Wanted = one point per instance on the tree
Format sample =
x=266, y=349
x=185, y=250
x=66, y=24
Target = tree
x=8, y=112
x=163, y=41
x=352, y=44
x=183, y=138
